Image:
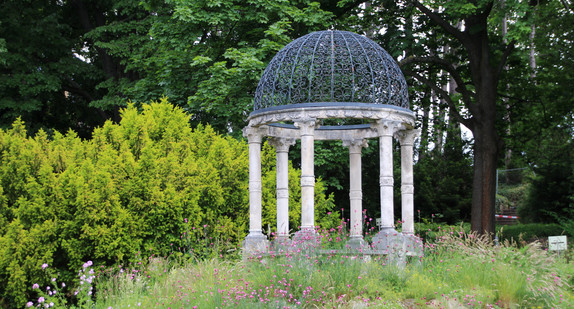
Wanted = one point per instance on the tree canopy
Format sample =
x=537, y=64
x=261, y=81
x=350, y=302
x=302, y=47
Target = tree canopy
x=499, y=68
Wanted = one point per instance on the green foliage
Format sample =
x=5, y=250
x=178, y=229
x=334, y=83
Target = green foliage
x=443, y=184
x=541, y=112
x=67, y=64
x=205, y=56
x=458, y=270
x=551, y=195
x=147, y=184
x=529, y=232
x=430, y=230
x=41, y=80
x=513, y=187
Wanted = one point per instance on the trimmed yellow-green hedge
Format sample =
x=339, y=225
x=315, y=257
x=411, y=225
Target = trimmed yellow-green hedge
x=149, y=184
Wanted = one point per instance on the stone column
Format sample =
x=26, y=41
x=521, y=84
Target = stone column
x=383, y=241
x=355, y=191
x=386, y=130
x=282, y=148
x=307, y=129
x=255, y=241
x=406, y=138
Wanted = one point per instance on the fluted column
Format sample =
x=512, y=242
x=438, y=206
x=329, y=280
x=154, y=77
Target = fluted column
x=355, y=187
x=307, y=129
x=386, y=130
x=282, y=149
x=406, y=138
x=255, y=240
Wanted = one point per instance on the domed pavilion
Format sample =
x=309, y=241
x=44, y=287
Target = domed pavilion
x=331, y=85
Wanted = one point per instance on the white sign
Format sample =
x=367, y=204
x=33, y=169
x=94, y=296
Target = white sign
x=557, y=243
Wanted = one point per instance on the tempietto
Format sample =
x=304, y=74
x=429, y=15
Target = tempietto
x=332, y=75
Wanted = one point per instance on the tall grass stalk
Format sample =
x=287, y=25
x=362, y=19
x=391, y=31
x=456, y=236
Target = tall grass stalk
x=458, y=270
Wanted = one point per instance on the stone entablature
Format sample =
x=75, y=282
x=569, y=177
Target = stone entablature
x=301, y=112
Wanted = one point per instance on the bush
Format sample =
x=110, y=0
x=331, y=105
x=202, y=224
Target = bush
x=148, y=184
x=429, y=230
x=529, y=232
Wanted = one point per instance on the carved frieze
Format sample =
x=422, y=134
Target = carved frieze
x=353, y=112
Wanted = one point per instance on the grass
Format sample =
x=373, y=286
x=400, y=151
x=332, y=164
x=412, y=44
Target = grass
x=459, y=270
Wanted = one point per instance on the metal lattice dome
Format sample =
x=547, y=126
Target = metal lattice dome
x=331, y=68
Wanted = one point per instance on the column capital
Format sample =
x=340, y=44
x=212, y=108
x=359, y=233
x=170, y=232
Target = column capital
x=407, y=137
x=306, y=126
x=281, y=144
x=387, y=127
x=254, y=134
x=356, y=145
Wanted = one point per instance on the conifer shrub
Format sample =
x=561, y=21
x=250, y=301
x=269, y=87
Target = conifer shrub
x=148, y=185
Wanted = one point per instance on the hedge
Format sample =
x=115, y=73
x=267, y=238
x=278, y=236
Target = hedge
x=149, y=184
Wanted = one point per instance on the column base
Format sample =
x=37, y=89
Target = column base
x=255, y=244
x=384, y=239
x=397, y=246
x=307, y=238
x=413, y=245
x=282, y=245
x=357, y=244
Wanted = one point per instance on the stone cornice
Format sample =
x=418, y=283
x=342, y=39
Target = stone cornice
x=298, y=114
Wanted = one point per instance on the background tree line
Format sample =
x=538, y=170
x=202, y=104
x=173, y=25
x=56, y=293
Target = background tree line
x=502, y=69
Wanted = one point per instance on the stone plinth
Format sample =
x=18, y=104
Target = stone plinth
x=254, y=245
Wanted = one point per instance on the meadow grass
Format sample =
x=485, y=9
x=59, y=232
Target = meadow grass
x=458, y=270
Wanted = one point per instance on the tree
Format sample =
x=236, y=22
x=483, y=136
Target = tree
x=41, y=78
x=484, y=66
x=542, y=113
x=204, y=56
x=475, y=59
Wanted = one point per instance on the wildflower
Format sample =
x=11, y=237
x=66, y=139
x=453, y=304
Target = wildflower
x=29, y=304
x=41, y=299
x=44, y=266
x=51, y=304
x=35, y=286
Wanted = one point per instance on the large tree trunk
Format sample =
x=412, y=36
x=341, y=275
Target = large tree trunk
x=485, y=78
x=481, y=104
x=484, y=179
x=486, y=148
